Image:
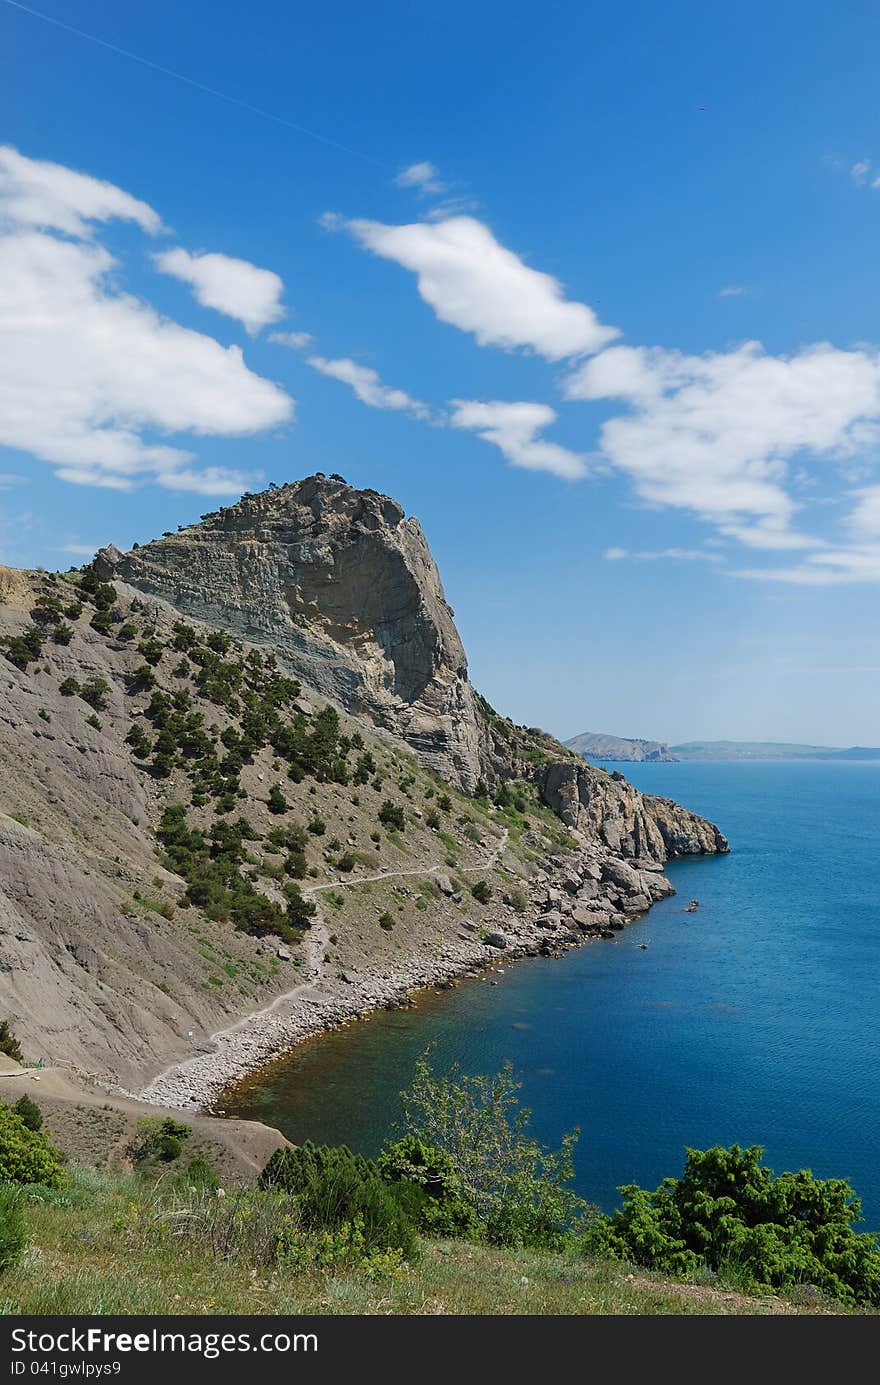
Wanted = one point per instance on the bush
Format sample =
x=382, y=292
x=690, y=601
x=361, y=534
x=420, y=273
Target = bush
x=444, y=1209
x=94, y=691
x=277, y=803
x=22, y=649
x=69, y=688
x=159, y=1141
x=198, y=1175
x=13, y=1232
x=30, y=1113
x=730, y=1214
x=26, y=1155
x=482, y=892
x=516, y=1187
x=347, y=862
x=392, y=815
x=334, y=1188
x=9, y=1043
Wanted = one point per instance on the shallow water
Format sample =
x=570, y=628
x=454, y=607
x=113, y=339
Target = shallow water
x=754, y=1019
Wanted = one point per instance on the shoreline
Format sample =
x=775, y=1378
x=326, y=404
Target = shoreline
x=587, y=898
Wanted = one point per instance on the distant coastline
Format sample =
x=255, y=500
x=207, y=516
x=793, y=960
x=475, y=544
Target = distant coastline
x=598, y=746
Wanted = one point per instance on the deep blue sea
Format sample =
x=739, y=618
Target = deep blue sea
x=755, y=1019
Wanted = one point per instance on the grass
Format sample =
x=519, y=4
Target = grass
x=93, y=1250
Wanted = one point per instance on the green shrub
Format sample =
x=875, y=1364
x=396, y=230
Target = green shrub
x=159, y=1140
x=333, y=1188
x=13, y=1231
x=392, y=815
x=516, y=1187
x=347, y=862
x=26, y=1155
x=29, y=1112
x=443, y=1210
x=9, y=1043
x=200, y=1175
x=386, y=921
x=94, y=691
x=730, y=1214
x=69, y=688
x=481, y=891
x=277, y=803
x=22, y=649
x=62, y=634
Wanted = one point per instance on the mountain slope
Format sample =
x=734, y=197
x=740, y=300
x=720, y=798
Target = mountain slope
x=190, y=834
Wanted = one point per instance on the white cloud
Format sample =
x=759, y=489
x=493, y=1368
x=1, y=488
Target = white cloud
x=515, y=429
x=731, y=291
x=423, y=176
x=865, y=518
x=79, y=550
x=691, y=555
x=235, y=287
x=829, y=568
x=297, y=341
x=368, y=385
x=8, y=479
x=93, y=379
x=476, y=284
x=52, y=197
x=859, y=171
x=714, y=433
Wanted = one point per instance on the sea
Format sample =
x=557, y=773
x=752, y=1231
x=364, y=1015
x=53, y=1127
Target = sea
x=754, y=1019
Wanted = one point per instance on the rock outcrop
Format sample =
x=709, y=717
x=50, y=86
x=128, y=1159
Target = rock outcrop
x=596, y=745
x=344, y=588
x=607, y=808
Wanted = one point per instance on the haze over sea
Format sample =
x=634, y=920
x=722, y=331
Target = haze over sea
x=752, y=1020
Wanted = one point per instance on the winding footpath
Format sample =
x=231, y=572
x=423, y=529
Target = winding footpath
x=263, y=1034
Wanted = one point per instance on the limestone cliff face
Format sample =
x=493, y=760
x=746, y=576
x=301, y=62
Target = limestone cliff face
x=345, y=589
x=606, y=808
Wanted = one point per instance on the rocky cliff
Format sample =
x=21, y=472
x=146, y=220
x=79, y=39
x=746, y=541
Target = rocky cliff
x=596, y=745
x=606, y=808
x=344, y=588
x=164, y=785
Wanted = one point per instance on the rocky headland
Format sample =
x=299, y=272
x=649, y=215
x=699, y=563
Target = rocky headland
x=248, y=792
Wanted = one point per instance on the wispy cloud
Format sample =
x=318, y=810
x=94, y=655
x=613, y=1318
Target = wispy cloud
x=368, y=386
x=422, y=176
x=235, y=287
x=694, y=555
x=478, y=285
x=515, y=429
x=8, y=479
x=297, y=341
x=732, y=291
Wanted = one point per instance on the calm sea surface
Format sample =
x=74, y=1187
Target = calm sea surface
x=755, y=1019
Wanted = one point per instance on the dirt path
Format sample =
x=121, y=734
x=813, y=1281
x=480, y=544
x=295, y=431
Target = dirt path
x=315, y=943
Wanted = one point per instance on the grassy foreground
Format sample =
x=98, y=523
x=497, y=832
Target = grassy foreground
x=95, y=1247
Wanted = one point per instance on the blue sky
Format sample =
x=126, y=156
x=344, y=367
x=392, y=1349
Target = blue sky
x=593, y=294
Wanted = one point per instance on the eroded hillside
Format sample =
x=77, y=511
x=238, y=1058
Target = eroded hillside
x=190, y=833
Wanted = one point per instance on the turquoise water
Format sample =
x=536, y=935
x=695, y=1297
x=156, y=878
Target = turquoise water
x=755, y=1019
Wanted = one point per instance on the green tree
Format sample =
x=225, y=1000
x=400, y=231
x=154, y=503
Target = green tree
x=29, y=1112
x=731, y=1214
x=517, y=1188
x=9, y=1043
x=26, y=1155
x=392, y=815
